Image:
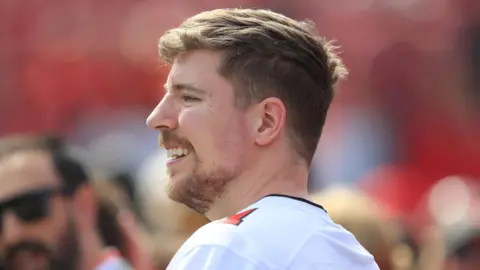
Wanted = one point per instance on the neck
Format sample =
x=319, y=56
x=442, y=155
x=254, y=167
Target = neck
x=92, y=250
x=265, y=178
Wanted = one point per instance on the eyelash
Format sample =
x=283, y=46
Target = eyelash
x=188, y=98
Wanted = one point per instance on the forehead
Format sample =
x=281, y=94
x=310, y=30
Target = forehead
x=26, y=170
x=198, y=68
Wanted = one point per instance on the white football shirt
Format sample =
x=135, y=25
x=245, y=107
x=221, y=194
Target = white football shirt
x=277, y=232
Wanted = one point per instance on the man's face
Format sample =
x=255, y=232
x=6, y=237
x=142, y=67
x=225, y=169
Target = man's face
x=36, y=231
x=204, y=132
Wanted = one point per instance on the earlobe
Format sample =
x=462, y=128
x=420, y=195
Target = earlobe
x=272, y=117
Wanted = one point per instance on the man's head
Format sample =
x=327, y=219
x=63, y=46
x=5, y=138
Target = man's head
x=38, y=184
x=245, y=85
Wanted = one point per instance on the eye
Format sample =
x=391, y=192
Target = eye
x=188, y=98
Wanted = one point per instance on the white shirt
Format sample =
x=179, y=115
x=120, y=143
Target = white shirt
x=277, y=232
x=112, y=260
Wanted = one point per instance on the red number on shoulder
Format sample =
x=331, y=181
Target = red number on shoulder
x=238, y=218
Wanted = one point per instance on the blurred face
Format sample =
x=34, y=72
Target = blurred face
x=204, y=133
x=35, y=229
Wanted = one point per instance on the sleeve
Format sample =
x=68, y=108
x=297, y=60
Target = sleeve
x=214, y=257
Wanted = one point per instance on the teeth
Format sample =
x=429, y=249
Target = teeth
x=177, y=152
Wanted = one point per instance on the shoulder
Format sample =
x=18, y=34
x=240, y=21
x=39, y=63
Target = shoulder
x=214, y=257
x=266, y=234
x=226, y=233
x=275, y=233
x=218, y=245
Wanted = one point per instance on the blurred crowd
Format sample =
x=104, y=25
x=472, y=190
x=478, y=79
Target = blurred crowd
x=398, y=163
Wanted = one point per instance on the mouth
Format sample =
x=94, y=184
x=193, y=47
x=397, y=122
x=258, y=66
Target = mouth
x=30, y=261
x=176, y=154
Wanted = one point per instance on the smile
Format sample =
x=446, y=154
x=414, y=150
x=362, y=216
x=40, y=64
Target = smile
x=175, y=154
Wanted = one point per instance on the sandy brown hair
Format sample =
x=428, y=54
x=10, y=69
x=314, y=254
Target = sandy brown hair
x=265, y=54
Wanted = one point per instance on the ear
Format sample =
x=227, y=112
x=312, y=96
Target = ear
x=85, y=207
x=270, y=117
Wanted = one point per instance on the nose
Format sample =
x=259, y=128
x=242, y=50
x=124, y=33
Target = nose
x=11, y=228
x=164, y=116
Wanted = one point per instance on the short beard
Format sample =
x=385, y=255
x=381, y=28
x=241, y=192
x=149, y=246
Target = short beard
x=65, y=257
x=68, y=256
x=200, y=190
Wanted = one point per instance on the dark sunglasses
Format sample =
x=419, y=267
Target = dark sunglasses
x=29, y=207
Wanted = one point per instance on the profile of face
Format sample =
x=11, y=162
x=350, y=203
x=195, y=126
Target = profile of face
x=205, y=134
x=36, y=231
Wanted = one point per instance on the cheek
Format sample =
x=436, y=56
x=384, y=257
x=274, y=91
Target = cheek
x=57, y=221
x=217, y=134
x=232, y=138
x=191, y=121
x=48, y=230
x=198, y=127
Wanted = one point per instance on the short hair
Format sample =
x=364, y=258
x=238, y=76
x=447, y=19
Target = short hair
x=267, y=54
x=70, y=170
x=72, y=175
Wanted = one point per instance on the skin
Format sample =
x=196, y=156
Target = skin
x=62, y=233
x=237, y=156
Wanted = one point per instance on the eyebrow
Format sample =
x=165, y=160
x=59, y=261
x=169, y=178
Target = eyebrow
x=182, y=87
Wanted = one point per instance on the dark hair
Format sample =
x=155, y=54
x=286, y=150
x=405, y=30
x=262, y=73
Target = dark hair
x=265, y=54
x=70, y=171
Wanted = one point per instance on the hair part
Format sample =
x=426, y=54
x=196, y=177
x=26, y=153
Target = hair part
x=266, y=54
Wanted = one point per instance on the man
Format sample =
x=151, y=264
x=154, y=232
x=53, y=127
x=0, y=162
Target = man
x=48, y=210
x=246, y=99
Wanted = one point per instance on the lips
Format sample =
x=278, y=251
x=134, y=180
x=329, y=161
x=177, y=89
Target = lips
x=30, y=261
x=176, y=147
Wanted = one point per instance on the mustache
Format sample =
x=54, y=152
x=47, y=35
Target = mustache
x=34, y=247
x=169, y=137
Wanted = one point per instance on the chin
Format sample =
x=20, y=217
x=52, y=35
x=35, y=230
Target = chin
x=175, y=187
x=191, y=192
